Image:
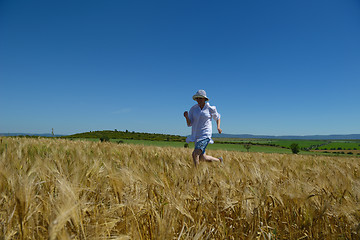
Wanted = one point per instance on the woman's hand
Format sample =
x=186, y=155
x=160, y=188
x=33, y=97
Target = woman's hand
x=219, y=130
x=186, y=115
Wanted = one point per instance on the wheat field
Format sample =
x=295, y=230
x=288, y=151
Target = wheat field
x=62, y=189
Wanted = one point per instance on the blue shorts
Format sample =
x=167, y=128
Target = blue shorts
x=202, y=144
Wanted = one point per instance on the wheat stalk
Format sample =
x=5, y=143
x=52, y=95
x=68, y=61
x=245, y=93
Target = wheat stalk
x=62, y=189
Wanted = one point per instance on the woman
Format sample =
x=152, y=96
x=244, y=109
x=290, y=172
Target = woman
x=199, y=118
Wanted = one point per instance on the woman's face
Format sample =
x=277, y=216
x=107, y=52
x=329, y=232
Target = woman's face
x=201, y=101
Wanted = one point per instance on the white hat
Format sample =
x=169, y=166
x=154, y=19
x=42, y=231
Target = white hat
x=200, y=94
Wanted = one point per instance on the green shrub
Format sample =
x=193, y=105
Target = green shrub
x=295, y=148
x=247, y=146
x=104, y=139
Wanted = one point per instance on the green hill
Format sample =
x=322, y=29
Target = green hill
x=128, y=135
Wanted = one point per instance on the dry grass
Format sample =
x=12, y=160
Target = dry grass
x=59, y=189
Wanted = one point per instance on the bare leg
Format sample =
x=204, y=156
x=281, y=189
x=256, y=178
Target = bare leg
x=196, y=156
x=208, y=158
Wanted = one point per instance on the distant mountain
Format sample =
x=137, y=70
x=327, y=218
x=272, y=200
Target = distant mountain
x=308, y=137
x=30, y=134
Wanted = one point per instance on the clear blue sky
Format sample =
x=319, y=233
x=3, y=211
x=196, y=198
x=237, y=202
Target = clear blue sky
x=271, y=67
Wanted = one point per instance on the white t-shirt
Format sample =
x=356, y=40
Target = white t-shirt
x=201, y=122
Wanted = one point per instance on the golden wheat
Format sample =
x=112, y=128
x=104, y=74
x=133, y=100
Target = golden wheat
x=61, y=189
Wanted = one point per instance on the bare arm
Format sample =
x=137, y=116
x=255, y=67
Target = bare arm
x=218, y=125
x=186, y=115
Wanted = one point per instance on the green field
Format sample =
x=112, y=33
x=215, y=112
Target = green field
x=344, y=145
x=276, y=142
x=215, y=146
x=227, y=144
x=264, y=146
x=254, y=148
